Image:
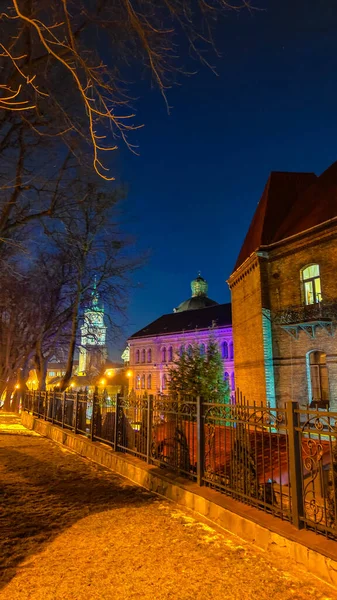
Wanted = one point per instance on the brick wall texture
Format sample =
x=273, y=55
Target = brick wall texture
x=271, y=280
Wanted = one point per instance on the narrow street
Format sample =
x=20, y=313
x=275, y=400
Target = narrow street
x=73, y=530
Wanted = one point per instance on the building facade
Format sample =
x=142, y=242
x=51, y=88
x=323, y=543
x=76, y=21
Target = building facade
x=284, y=294
x=152, y=350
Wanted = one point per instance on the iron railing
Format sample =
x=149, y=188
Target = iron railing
x=319, y=311
x=280, y=460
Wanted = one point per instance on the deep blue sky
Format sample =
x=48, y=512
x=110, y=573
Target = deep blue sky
x=202, y=169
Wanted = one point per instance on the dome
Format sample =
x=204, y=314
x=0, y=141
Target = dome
x=199, y=298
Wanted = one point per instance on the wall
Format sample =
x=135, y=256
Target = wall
x=249, y=359
x=285, y=290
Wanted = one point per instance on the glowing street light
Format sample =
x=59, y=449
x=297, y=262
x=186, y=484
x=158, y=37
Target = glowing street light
x=129, y=374
x=103, y=381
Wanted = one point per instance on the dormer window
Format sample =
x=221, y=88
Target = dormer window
x=311, y=282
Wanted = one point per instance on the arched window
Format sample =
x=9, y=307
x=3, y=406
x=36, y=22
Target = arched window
x=318, y=379
x=170, y=354
x=202, y=350
x=143, y=355
x=224, y=350
x=149, y=355
x=311, y=282
x=231, y=351
x=137, y=356
x=138, y=382
x=164, y=382
x=143, y=382
x=182, y=350
x=189, y=350
x=226, y=377
x=163, y=355
x=233, y=382
x=149, y=381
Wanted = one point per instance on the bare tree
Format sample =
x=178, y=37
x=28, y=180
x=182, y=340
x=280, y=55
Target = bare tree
x=64, y=64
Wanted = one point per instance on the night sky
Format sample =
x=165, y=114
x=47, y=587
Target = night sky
x=202, y=169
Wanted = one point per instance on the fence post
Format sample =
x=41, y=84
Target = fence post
x=53, y=407
x=75, y=409
x=46, y=402
x=149, y=428
x=294, y=436
x=38, y=403
x=200, y=442
x=92, y=428
x=116, y=422
x=63, y=406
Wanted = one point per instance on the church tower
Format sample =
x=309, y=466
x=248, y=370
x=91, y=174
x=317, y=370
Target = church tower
x=93, y=350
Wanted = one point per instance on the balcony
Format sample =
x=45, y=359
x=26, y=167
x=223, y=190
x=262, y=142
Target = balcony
x=307, y=318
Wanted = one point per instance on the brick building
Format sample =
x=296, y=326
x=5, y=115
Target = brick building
x=284, y=293
x=152, y=350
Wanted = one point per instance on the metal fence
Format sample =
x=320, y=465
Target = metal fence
x=280, y=460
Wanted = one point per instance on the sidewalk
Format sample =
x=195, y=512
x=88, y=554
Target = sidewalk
x=73, y=530
x=10, y=423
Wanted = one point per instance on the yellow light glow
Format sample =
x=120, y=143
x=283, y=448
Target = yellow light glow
x=103, y=382
x=58, y=385
x=109, y=373
x=17, y=387
x=129, y=374
x=71, y=385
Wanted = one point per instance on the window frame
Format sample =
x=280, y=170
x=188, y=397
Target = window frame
x=312, y=281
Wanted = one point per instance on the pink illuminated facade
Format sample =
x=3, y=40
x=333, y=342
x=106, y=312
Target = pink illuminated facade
x=153, y=349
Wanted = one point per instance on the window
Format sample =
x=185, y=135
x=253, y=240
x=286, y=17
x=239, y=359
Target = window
x=163, y=355
x=149, y=381
x=51, y=373
x=143, y=382
x=311, y=284
x=226, y=377
x=233, y=382
x=138, y=382
x=143, y=356
x=182, y=350
x=170, y=354
x=164, y=382
x=231, y=351
x=149, y=355
x=202, y=350
x=137, y=356
x=319, y=383
x=224, y=350
x=189, y=350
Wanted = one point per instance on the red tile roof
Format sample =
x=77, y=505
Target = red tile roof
x=276, y=207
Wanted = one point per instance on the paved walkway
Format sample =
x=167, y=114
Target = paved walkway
x=72, y=530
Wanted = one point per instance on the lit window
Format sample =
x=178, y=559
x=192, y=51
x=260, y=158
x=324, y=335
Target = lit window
x=170, y=354
x=149, y=355
x=311, y=285
x=224, y=350
x=137, y=356
x=138, y=382
x=51, y=373
x=143, y=356
x=163, y=352
x=149, y=382
x=143, y=382
x=231, y=352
